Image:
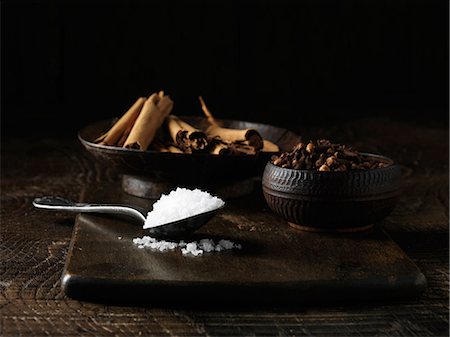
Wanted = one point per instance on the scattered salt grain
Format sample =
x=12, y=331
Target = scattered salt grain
x=179, y=204
x=187, y=248
x=191, y=248
x=147, y=241
x=226, y=244
x=207, y=245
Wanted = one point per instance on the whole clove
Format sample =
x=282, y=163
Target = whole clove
x=325, y=156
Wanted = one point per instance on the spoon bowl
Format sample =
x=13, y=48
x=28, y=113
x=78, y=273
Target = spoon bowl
x=169, y=230
x=184, y=226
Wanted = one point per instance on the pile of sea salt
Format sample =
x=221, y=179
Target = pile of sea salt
x=194, y=248
x=179, y=204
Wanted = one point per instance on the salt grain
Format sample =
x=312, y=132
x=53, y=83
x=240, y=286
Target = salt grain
x=226, y=244
x=179, y=204
x=191, y=248
x=207, y=245
x=187, y=248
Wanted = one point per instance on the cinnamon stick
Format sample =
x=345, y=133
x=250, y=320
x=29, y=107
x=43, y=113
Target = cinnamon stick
x=125, y=135
x=155, y=109
x=173, y=149
x=218, y=147
x=240, y=148
x=123, y=125
x=206, y=111
x=186, y=136
x=269, y=146
x=158, y=146
x=251, y=136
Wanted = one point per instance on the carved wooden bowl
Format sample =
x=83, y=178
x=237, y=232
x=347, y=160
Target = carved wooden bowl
x=332, y=201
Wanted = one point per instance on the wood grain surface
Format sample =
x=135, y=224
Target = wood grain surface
x=34, y=245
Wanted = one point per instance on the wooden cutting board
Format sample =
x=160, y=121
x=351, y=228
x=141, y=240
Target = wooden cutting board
x=276, y=263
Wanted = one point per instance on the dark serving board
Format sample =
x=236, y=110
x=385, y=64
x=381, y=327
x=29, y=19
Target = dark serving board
x=276, y=264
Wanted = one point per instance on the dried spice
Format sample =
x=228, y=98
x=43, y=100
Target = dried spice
x=141, y=127
x=184, y=136
x=324, y=156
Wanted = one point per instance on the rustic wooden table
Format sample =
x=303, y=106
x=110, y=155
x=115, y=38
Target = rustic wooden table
x=34, y=245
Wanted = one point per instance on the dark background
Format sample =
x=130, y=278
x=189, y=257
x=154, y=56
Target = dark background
x=289, y=63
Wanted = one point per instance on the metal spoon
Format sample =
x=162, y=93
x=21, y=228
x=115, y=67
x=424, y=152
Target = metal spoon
x=171, y=229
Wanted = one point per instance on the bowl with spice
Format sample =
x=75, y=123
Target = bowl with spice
x=156, y=150
x=321, y=186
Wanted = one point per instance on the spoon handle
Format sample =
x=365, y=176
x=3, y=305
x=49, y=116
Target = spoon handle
x=61, y=204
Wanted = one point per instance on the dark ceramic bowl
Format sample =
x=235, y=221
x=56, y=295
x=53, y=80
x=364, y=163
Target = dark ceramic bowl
x=332, y=201
x=179, y=168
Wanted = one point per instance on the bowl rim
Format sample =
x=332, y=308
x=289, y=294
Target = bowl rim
x=392, y=165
